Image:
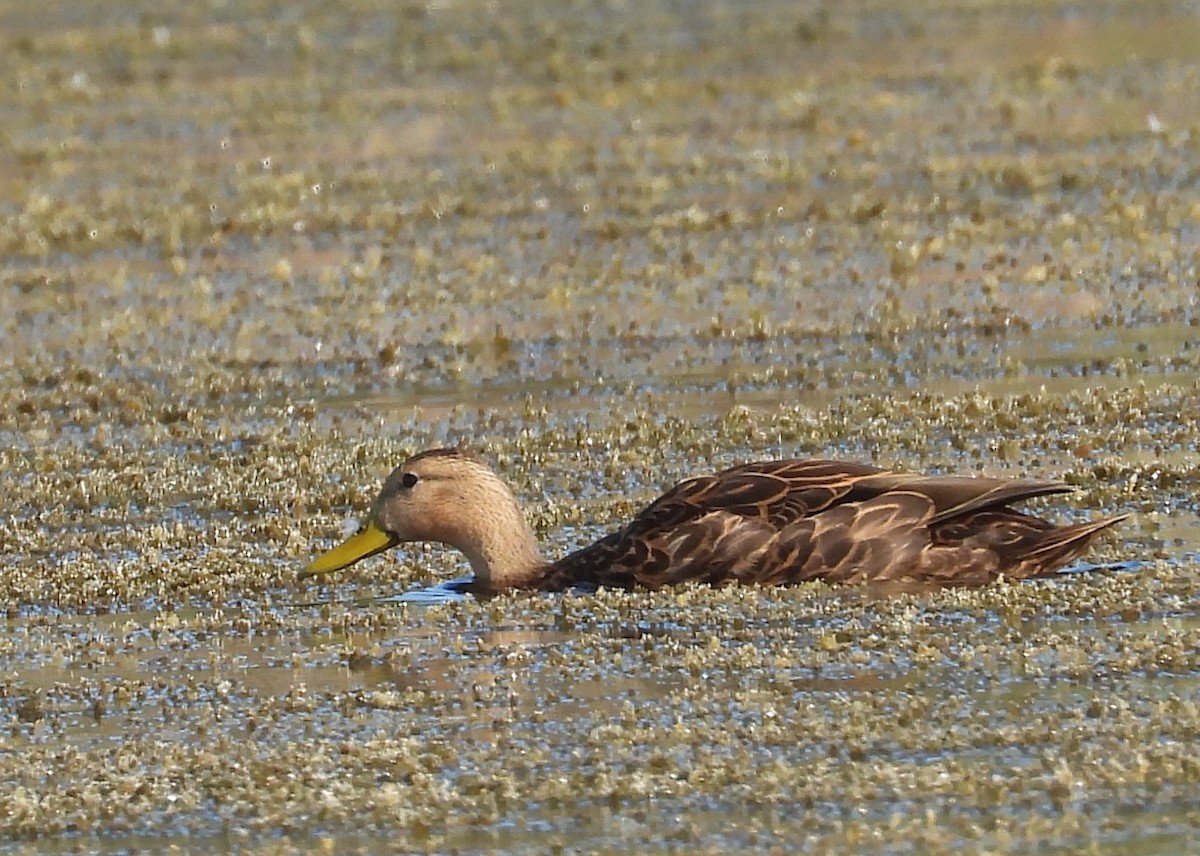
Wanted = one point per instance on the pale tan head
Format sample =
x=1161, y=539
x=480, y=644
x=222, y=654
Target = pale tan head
x=451, y=497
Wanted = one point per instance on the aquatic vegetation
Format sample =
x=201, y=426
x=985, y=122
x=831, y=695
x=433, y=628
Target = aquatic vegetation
x=251, y=260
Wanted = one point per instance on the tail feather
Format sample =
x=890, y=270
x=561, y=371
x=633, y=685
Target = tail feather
x=1068, y=542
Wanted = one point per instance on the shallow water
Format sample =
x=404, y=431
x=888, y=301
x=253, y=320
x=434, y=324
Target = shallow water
x=615, y=694
x=251, y=261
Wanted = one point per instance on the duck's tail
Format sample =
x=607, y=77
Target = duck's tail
x=1064, y=544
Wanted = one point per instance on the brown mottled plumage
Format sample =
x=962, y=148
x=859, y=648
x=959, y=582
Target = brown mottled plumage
x=768, y=523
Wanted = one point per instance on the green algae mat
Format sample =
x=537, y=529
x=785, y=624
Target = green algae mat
x=254, y=255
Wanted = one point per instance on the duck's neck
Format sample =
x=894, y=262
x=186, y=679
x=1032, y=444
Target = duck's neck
x=510, y=560
x=502, y=549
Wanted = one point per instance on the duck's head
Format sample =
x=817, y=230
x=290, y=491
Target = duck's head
x=448, y=496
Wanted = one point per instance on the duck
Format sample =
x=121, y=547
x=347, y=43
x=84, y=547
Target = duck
x=777, y=522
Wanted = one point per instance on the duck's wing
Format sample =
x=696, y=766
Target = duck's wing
x=732, y=513
x=786, y=521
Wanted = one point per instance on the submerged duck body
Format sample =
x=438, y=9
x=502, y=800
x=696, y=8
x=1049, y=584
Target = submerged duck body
x=766, y=523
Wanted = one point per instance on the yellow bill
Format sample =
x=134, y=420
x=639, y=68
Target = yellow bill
x=367, y=541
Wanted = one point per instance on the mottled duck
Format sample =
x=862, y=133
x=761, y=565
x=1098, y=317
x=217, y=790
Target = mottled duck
x=765, y=523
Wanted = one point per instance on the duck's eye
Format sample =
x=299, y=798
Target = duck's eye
x=408, y=480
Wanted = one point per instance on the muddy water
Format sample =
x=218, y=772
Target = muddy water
x=250, y=260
